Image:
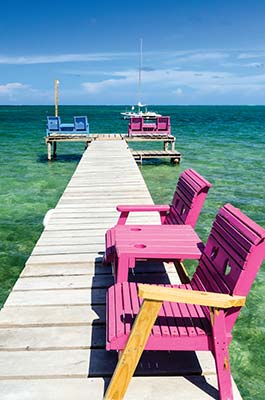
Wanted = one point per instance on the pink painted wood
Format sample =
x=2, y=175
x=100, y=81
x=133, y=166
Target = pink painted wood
x=160, y=242
x=163, y=125
x=137, y=126
x=188, y=199
x=232, y=257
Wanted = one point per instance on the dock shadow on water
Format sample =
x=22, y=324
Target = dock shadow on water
x=102, y=363
x=61, y=158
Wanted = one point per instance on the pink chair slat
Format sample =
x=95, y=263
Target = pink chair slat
x=134, y=299
x=169, y=329
x=222, y=250
x=252, y=231
x=181, y=328
x=173, y=218
x=162, y=322
x=195, y=180
x=111, y=311
x=120, y=326
x=208, y=282
x=240, y=243
x=169, y=313
x=127, y=305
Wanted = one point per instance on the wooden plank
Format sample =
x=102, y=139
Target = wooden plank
x=61, y=269
x=46, y=241
x=90, y=267
x=87, y=281
x=64, y=282
x=69, y=249
x=45, y=316
x=80, y=363
x=74, y=233
x=80, y=258
x=189, y=387
x=52, y=338
x=56, y=297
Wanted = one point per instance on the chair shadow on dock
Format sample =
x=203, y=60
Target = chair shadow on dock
x=102, y=363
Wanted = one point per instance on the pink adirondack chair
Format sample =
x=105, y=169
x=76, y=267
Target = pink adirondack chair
x=163, y=125
x=135, y=126
x=188, y=199
x=196, y=316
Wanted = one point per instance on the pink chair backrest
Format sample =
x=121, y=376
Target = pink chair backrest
x=188, y=198
x=232, y=257
x=162, y=123
x=136, y=123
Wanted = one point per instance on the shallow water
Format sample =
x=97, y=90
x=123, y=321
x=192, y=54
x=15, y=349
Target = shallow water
x=225, y=144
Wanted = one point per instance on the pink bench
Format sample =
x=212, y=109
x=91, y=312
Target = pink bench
x=188, y=199
x=198, y=316
x=137, y=127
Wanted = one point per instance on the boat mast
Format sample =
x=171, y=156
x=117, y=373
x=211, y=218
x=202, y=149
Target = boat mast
x=140, y=75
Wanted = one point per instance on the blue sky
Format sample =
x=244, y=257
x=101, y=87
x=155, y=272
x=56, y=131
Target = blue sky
x=197, y=52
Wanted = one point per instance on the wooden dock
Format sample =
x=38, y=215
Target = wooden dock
x=52, y=326
x=139, y=156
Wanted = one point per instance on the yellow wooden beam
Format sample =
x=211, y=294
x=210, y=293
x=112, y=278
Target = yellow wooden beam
x=56, y=83
x=133, y=350
x=219, y=300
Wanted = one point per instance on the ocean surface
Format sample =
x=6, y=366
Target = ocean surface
x=226, y=144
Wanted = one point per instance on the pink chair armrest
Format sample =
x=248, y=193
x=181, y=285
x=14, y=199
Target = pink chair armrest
x=163, y=209
x=139, y=208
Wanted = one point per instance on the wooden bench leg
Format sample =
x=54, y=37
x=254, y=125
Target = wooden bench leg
x=133, y=350
x=221, y=354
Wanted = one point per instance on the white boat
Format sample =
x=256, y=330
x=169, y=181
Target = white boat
x=140, y=112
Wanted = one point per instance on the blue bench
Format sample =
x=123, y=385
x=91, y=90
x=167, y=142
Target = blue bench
x=80, y=125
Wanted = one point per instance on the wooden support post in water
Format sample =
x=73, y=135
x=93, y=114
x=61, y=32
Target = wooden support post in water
x=165, y=145
x=54, y=149
x=49, y=149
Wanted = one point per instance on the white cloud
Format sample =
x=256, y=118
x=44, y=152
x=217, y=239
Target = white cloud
x=96, y=87
x=48, y=59
x=251, y=54
x=166, y=80
x=204, y=56
x=178, y=92
x=181, y=56
x=12, y=87
x=254, y=65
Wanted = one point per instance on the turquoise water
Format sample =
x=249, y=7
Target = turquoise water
x=225, y=144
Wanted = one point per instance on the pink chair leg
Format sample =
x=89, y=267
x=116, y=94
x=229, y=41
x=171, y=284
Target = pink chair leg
x=109, y=253
x=221, y=355
x=123, y=263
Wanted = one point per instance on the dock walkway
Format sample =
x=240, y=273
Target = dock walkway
x=52, y=326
